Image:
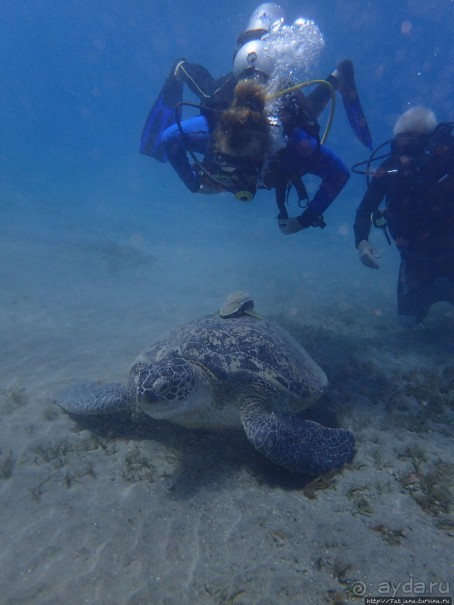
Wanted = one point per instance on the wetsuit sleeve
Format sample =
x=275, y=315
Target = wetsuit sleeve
x=334, y=175
x=370, y=202
x=193, y=136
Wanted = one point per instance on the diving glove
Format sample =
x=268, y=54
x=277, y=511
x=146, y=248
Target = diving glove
x=368, y=254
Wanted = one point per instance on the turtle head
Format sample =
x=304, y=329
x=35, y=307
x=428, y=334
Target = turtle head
x=170, y=388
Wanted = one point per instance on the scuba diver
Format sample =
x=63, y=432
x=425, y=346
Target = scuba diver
x=417, y=181
x=248, y=137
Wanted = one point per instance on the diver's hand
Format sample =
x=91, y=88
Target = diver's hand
x=288, y=226
x=368, y=254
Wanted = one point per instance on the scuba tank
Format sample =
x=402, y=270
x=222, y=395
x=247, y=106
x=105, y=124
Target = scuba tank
x=250, y=58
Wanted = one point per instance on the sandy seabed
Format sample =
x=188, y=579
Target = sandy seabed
x=113, y=511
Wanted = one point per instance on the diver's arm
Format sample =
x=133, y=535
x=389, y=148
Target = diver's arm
x=304, y=155
x=369, y=204
x=334, y=175
x=372, y=199
x=193, y=136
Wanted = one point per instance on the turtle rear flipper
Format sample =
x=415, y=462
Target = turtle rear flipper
x=92, y=398
x=301, y=446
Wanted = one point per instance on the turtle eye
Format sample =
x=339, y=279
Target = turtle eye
x=171, y=382
x=148, y=386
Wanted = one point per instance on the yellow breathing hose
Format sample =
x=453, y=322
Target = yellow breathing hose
x=281, y=93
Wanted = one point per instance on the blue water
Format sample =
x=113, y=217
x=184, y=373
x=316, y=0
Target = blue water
x=102, y=248
x=77, y=80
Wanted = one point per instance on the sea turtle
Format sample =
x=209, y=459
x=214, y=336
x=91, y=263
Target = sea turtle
x=240, y=372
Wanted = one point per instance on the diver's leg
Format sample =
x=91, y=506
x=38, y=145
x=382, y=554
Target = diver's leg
x=345, y=76
x=179, y=140
x=319, y=98
x=413, y=292
x=342, y=79
x=442, y=288
x=161, y=116
x=197, y=78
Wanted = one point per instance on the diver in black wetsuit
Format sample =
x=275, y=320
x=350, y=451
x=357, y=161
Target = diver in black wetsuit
x=417, y=181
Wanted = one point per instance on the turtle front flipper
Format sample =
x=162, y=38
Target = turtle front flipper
x=300, y=446
x=92, y=398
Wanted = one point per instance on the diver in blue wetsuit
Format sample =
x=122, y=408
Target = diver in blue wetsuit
x=242, y=146
x=238, y=157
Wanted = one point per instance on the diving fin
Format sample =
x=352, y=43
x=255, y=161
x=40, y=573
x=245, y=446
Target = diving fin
x=197, y=79
x=347, y=88
x=161, y=116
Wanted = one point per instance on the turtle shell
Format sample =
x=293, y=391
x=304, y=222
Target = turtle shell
x=241, y=351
